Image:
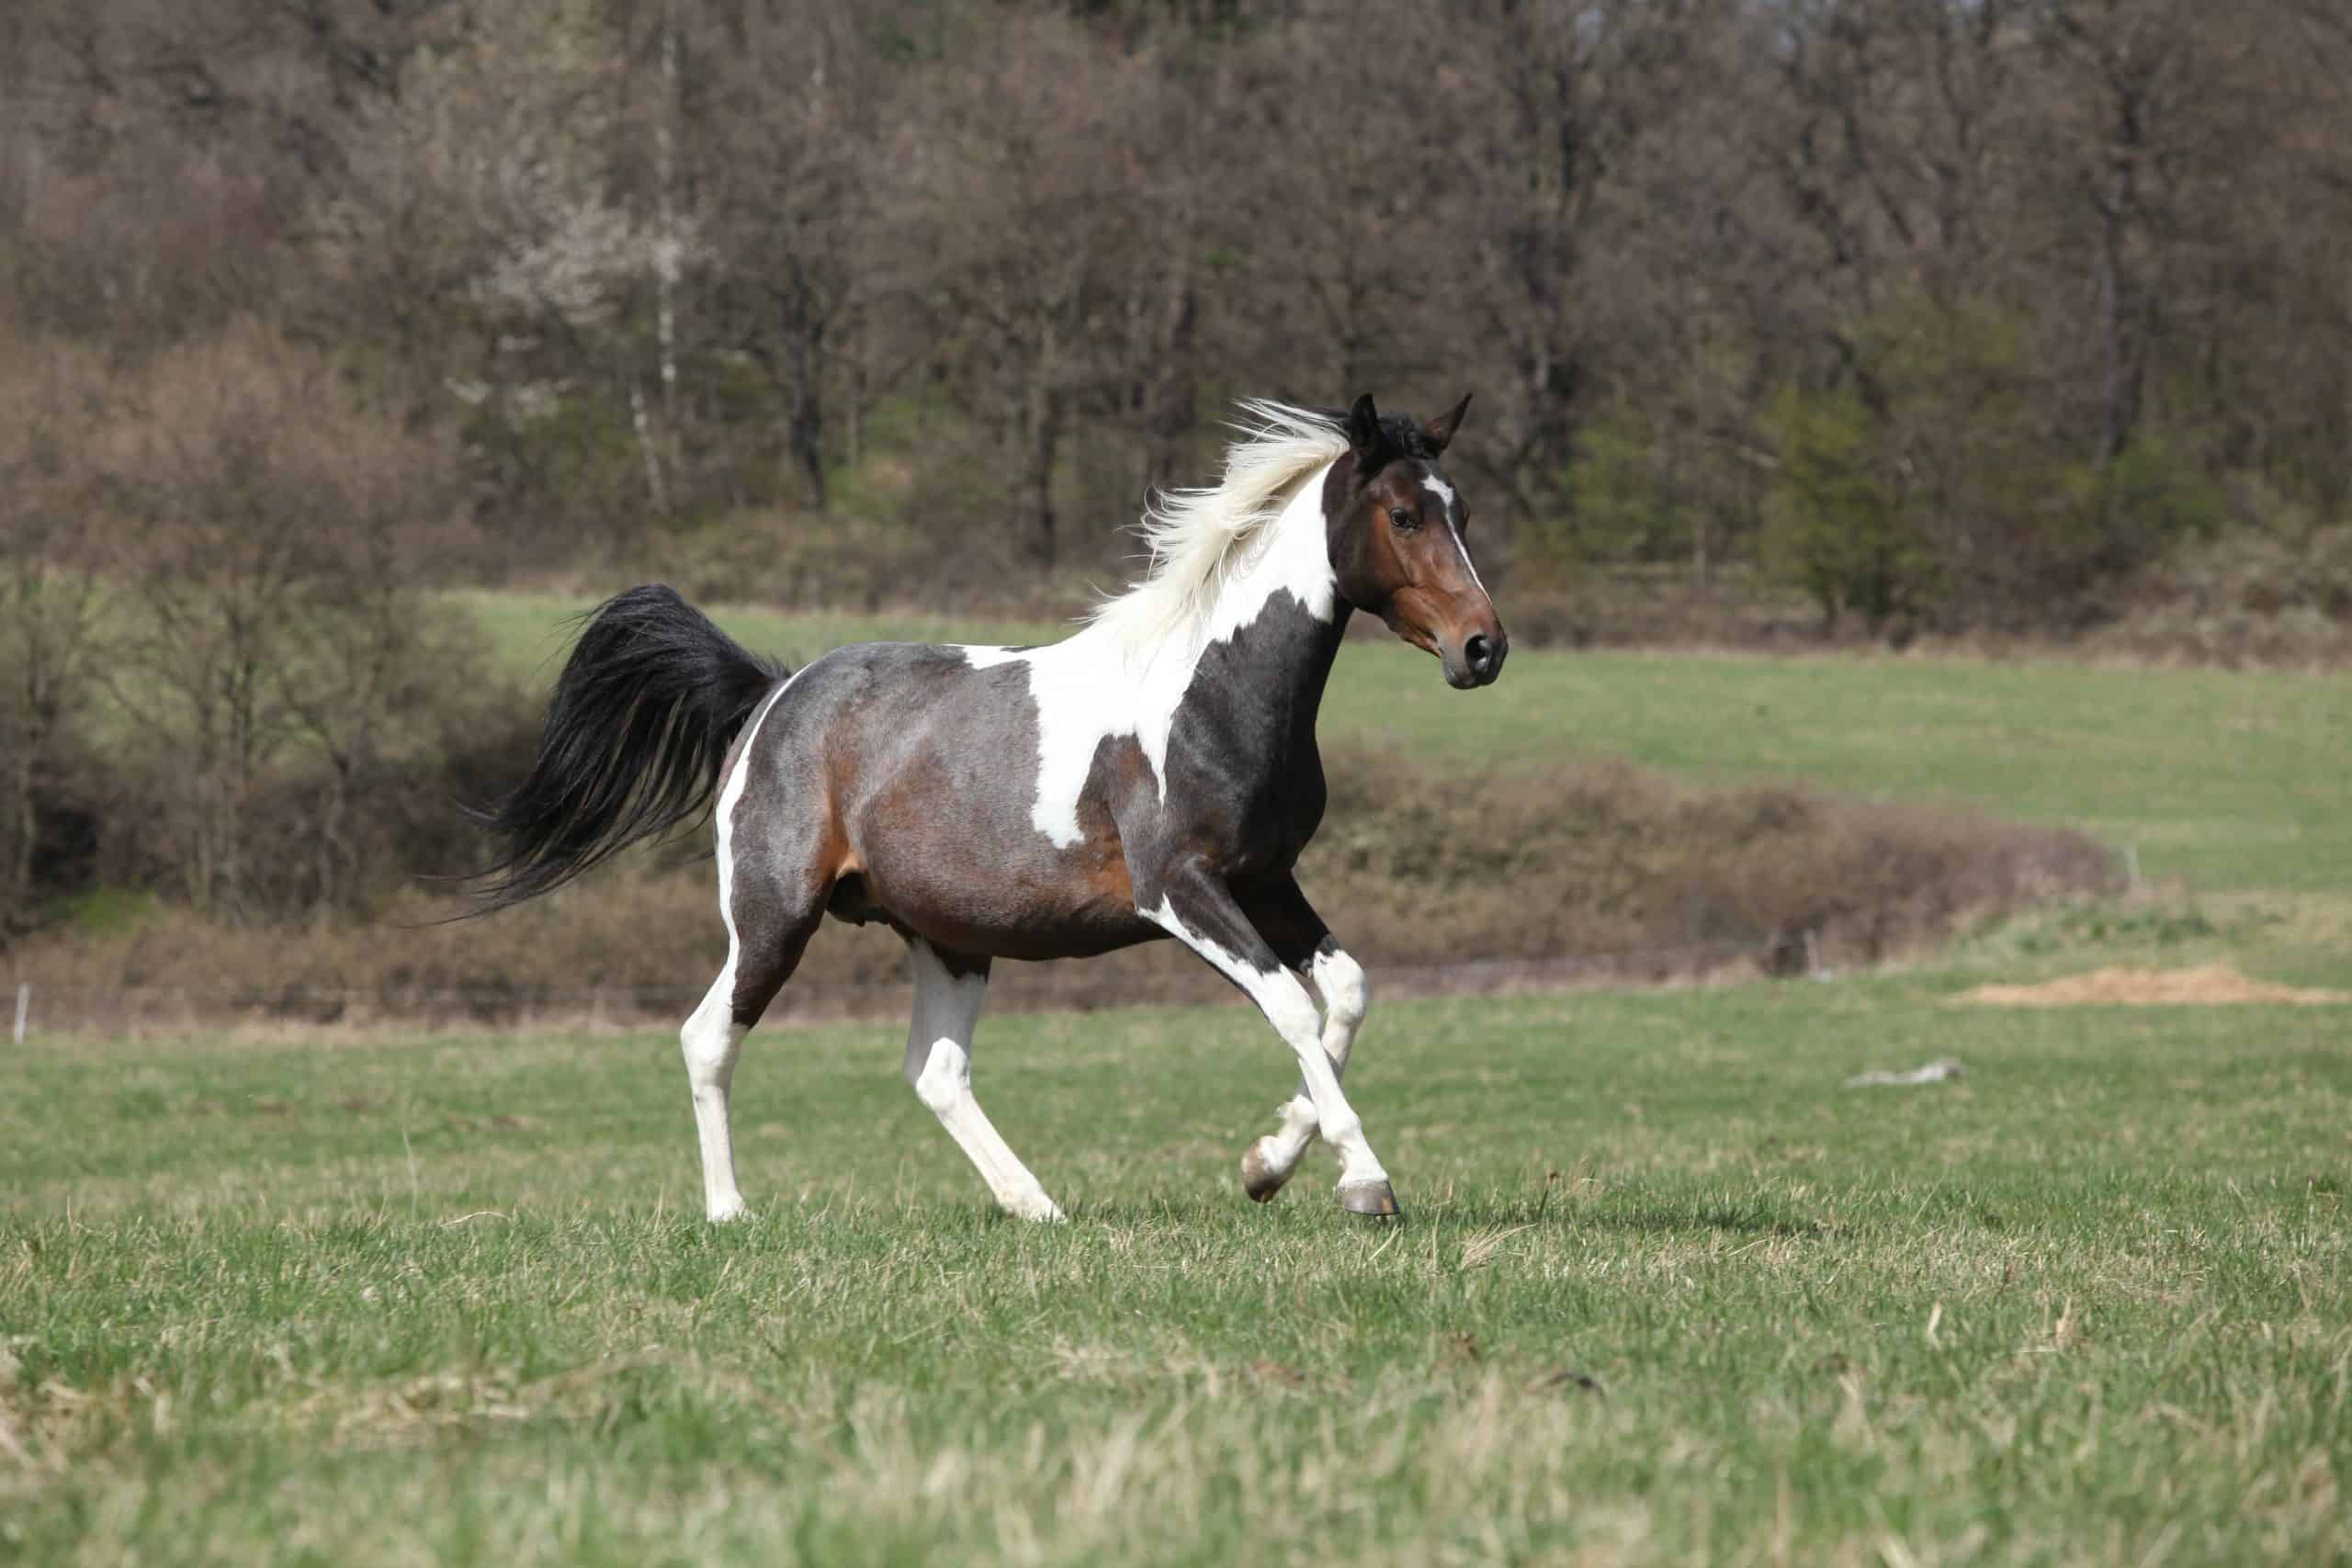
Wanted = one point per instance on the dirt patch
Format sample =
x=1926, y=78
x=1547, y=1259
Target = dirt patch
x=2213, y=984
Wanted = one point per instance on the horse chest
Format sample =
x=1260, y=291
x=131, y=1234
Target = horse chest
x=1245, y=814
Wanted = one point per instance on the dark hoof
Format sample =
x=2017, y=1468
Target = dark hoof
x=1260, y=1180
x=1374, y=1199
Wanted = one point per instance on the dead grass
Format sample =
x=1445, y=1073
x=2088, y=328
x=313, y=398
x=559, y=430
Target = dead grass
x=2206, y=986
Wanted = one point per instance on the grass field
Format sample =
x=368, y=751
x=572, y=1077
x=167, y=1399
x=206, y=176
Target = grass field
x=1668, y=1291
x=2228, y=780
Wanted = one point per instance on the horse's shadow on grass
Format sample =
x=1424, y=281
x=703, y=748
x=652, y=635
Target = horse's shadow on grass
x=1467, y=1215
x=1634, y=1216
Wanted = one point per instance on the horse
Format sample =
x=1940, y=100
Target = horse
x=1153, y=775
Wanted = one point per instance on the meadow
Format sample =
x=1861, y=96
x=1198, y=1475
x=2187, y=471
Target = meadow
x=1668, y=1289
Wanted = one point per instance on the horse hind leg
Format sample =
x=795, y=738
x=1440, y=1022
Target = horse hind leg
x=772, y=903
x=939, y=1065
x=710, y=1040
x=767, y=936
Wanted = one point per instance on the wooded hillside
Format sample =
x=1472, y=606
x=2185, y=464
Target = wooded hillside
x=1987, y=316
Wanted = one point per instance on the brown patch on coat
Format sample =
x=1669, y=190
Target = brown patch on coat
x=959, y=865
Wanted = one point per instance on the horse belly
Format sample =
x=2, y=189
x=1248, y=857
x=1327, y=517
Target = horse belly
x=1015, y=903
x=970, y=871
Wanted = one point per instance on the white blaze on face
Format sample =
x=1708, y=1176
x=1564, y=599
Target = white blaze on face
x=1091, y=687
x=1450, y=508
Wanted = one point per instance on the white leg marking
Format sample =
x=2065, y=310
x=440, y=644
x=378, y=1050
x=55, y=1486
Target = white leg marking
x=939, y=1065
x=1283, y=997
x=1347, y=997
x=711, y=1040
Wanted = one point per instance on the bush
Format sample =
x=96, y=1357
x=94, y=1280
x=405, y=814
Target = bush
x=2279, y=593
x=226, y=677
x=1834, y=521
x=1602, y=868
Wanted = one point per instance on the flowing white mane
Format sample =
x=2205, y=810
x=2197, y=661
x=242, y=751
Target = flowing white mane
x=1196, y=537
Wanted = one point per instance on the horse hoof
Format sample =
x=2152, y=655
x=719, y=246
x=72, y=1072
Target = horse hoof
x=1372, y=1199
x=1260, y=1180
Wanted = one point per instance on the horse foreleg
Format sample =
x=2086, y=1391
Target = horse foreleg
x=939, y=1066
x=1198, y=911
x=1304, y=944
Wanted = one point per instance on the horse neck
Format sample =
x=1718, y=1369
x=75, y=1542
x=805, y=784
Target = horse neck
x=1276, y=627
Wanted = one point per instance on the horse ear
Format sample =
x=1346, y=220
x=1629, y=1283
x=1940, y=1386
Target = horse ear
x=1365, y=437
x=1442, y=429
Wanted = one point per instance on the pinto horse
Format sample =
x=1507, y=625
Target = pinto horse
x=1153, y=775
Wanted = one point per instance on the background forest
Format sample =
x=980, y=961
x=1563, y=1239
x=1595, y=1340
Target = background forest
x=1865, y=319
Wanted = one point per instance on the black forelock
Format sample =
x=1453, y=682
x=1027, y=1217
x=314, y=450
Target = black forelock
x=1404, y=432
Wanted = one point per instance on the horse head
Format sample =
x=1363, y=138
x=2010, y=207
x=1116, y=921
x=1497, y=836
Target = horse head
x=1398, y=540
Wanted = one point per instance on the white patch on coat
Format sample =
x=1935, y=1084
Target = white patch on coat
x=1099, y=683
x=1443, y=490
x=711, y=1039
x=1199, y=539
x=1276, y=992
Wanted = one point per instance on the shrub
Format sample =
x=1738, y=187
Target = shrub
x=1834, y=521
x=2279, y=593
x=1599, y=867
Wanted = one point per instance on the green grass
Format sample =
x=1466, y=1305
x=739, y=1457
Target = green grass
x=2226, y=780
x=1668, y=1291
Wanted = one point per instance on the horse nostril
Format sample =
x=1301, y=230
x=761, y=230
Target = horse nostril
x=1479, y=654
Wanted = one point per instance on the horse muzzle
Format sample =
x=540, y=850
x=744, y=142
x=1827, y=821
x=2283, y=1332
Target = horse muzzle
x=1477, y=659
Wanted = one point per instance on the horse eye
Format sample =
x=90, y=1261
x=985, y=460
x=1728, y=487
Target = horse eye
x=1402, y=517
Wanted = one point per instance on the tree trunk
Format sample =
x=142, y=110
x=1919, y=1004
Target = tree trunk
x=805, y=400
x=655, y=488
x=21, y=869
x=667, y=255
x=2124, y=332
x=858, y=392
x=1168, y=385
x=1045, y=422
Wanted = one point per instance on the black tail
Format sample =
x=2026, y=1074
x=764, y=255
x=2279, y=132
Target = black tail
x=647, y=705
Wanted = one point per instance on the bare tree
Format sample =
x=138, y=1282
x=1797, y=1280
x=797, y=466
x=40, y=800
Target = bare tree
x=1015, y=207
x=51, y=644
x=785, y=119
